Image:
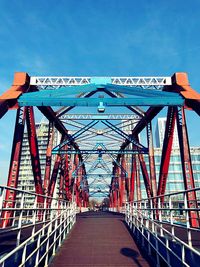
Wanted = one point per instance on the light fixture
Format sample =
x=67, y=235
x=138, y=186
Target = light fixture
x=101, y=107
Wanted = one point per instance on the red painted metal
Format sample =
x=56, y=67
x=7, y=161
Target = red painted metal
x=77, y=179
x=149, y=115
x=128, y=178
x=86, y=190
x=61, y=180
x=8, y=100
x=71, y=179
x=122, y=191
x=114, y=188
x=117, y=187
x=166, y=150
x=187, y=167
x=145, y=175
x=133, y=176
x=14, y=165
x=33, y=144
x=138, y=184
x=54, y=175
x=48, y=158
x=152, y=168
x=66, y=177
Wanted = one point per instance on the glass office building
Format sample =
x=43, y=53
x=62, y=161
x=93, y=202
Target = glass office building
x=175, y=181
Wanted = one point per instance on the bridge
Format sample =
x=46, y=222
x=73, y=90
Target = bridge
x=91, y=154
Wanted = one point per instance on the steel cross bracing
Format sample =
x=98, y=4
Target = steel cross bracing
x=104, y=132
x=56, y=82
x=116, y=156
x=93, y=132
x=132, y=140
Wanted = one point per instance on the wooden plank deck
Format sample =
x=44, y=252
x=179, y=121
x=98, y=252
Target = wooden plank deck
x=99, y=239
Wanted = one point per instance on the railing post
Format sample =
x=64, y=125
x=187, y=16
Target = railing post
x=38, y=250
x=187, y=220
x=34, y=215
x=44, y=213
x=160, y=216
x=24, y=256
x=55, y=226
x=152, y=214
x=65, y=220
x=20, y=220
x=171, y=215
x=147, y=227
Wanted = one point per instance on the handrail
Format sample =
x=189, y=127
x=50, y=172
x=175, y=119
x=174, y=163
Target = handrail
x=67, y=215
x=169, y=194
x=146, y=216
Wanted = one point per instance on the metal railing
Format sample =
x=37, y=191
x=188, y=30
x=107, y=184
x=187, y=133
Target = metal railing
x=163, y=229
x=39, y=226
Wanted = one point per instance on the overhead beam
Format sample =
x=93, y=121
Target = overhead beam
x=48, y=100
x=99, y=117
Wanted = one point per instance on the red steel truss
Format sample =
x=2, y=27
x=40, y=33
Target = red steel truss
x=69, y=169
x=14, y=164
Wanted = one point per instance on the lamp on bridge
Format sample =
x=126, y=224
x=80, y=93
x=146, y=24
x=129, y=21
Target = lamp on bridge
x=101, y=107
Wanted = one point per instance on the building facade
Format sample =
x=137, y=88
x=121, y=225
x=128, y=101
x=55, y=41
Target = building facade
x=160, y=133
x=175, y=180
x=26, y=180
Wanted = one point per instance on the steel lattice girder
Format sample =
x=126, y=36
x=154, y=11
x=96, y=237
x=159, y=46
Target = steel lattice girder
x=107, y=151
x=56, y=82
x=99, y=117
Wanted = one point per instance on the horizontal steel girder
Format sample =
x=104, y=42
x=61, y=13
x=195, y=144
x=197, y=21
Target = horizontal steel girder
x=107, y=151
x=27, y=100
x=100, y=117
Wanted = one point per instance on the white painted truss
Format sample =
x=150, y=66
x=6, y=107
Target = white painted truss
x=56, y=82
x=100, y=117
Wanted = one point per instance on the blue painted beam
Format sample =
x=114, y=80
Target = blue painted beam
x=139, y=91
x=64, y=91
x=26, y=100
x=73, y=90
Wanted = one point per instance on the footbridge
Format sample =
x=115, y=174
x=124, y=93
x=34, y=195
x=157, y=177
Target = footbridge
x=99, y=144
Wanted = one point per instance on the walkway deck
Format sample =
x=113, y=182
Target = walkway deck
x=99, y=239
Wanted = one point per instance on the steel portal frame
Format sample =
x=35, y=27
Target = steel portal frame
x=154, y=92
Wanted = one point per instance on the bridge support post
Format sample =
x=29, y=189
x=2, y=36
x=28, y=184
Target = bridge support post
x=187, y=167
x=138, y=184
x=35, y=160
x=48, y=158
x=145, y=175
x=151, y=160
x=133, y=176
x=14, y=166
x=166, y=151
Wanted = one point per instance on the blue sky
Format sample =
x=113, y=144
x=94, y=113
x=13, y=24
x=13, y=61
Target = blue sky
x=98, y=37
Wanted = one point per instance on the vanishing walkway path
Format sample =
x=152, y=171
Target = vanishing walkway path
x=99, y=239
